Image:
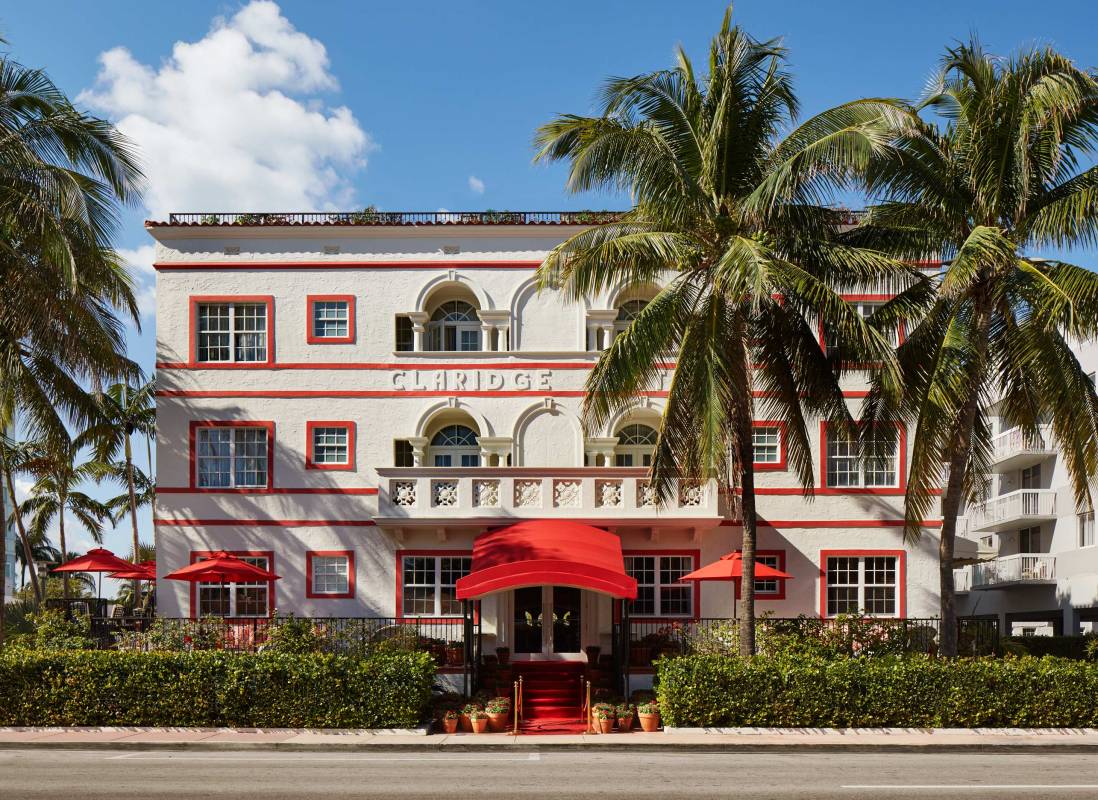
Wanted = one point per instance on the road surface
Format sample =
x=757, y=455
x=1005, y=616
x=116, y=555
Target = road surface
x=89, y=774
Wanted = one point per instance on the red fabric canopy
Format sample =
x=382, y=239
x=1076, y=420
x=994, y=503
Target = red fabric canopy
x=222, y=567
x=729, y=567
x=547, y=552
x=95, y=560
x=144, y=571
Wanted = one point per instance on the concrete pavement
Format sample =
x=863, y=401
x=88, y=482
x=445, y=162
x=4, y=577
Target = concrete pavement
x=123, y=774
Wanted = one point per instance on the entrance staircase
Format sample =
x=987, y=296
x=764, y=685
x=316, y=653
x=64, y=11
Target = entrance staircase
x=551, y=695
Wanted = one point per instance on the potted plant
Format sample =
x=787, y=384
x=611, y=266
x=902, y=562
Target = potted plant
x=450, y=720
x=604, y=719
x=455, y=654
x=498, y=710
x=625, y=717
x=504, y=655
x=592, y=651
x=467, y=716
x=649, y=716
x=478, y=720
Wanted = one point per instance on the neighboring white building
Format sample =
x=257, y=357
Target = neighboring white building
x=353, y=405
x=1043, y=573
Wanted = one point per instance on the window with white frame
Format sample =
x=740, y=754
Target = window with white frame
x=331, y=319
x=865, y=310
x=455, y=446
x=1086, y=529
x=232, y=332
x=636, y=444
x=659, y=591
x=428, y=585
x=627, y=312
x=847, y=469
x=232, y=457
x=331, y=445
x=863, y=585
x=331, y=574
x=235, y=599
x=767, y=586
x=766, y=441
x=454, y=326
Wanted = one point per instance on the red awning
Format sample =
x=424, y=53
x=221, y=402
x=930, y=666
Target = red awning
x=547, y=552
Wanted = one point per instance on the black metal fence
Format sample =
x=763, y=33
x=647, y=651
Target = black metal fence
x=853, y=636
x=372, y=217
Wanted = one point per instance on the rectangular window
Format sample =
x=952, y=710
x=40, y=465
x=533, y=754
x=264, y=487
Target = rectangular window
x=867, y=585
x=771, y=588
x=429, y=585
x=232, y=332
x=232, y=600
x=405, y=336
x=659, y=592
x=1029, y=540
x=867, y=309
x=330, y=445
x=1086, y=529
x=403, y=454
x=331, y=319
x=767, y=446
x=330, y=574
x=1031, y=477
x=232, y=457
x=847, y=469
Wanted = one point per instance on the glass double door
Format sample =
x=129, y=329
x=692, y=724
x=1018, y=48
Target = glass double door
x=547, y=620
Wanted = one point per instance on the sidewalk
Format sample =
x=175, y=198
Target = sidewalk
x=679, y=739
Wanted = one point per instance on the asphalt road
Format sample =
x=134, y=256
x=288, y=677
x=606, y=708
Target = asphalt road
x=274, y=775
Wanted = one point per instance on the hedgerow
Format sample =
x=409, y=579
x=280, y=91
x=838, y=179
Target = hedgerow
x=213, y=689
x=916, y=691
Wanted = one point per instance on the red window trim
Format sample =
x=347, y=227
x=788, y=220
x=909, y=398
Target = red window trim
x=901, y=475
x=400, y=556
x=235, y=423
x=778, y=595
x=196, y=300
x=696, y=601
x=901, y=568
x=311, y=425
x=901, y=328
x=310, y=593
x=196, y=555
x=782, y=464
x=310, y=335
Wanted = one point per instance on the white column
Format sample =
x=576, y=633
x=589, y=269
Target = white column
x=486, y=339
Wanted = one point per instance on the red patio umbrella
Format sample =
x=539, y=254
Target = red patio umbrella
x=222, y=567
x=144, y=571
x=96, y=560
x=729, y=567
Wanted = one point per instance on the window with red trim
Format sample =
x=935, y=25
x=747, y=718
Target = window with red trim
x=331, y=319
x=232, y=456
x=428, y=584
x=846, y=469
x=330, y=445
x=234, y=600
x=866, y=582
x=768, y=445
x=330, y=574
x=660, y=592
x=770, y=588
x=228, y=330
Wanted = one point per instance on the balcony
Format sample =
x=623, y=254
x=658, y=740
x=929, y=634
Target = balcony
x=1013, y=510
x=409, y=496
x=1021, y=569
x=1014, y=449
x=962, y=579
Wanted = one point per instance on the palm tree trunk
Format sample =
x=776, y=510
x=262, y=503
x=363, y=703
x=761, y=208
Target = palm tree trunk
x=3, y=576
x=750, y=529
x=133, y=515
x=66, y=593
x=28, y=551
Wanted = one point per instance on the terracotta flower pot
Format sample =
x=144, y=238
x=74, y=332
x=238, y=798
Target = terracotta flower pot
x=605, y=725
x=497, y=723
x=450, y=725
x=480, y=724
x=625, y=723
x=649, y=722
x=466, y=723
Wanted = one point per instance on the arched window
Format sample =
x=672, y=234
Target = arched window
x=636, y=443
x=454, y=326
x=455, y=446
x=627, y=312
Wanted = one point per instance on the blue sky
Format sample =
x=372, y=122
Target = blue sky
x=424, y=105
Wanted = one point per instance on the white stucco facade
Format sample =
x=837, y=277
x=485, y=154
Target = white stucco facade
x=520, y=392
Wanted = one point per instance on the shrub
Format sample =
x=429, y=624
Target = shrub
x=212, y=689
x=1077, y=647
x=52, y=631
x=915, y=691
x=294, y=636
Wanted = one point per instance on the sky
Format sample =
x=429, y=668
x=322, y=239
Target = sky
x=421, y=106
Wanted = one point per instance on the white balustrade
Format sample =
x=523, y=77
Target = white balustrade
x=1018, y=568
x=1007, y=509
x=1014, y=444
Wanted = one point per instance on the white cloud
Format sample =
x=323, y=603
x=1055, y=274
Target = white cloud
x=476, y=184
x=234, y=120
x=140, y=262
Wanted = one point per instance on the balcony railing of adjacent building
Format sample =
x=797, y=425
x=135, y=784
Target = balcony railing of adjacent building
x=1014, y=570
x=1013, y=509
x=1014, y=449
x=962, y=579
x=407, y=494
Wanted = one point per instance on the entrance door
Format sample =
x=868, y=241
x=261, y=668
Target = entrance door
x=547, y=620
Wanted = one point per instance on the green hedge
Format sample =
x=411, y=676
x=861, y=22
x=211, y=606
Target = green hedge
x=894, y=692
x=1076, y=647
x=212, y=689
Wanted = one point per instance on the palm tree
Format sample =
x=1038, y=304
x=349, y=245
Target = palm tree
x=42, y=552
x=730, y=218
x=56, y=492
x=124, y=410
x=14, y=458
x=993, y=177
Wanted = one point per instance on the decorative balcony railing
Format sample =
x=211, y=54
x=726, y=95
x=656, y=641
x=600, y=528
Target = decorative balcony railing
x=1013, y=508
x=1011, y=446
x=1021, y=568
x=437, y=493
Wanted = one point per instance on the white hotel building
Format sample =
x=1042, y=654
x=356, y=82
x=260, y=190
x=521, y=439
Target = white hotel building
x=354, y=405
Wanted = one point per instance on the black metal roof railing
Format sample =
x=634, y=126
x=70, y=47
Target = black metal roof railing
x=370, y=217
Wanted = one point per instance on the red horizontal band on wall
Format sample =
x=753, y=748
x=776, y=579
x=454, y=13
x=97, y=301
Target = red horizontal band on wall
x=294, y=393
x=834, y=523
x=185, y=522
x=389, y=367
x=358, y=490
x=242, y=264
